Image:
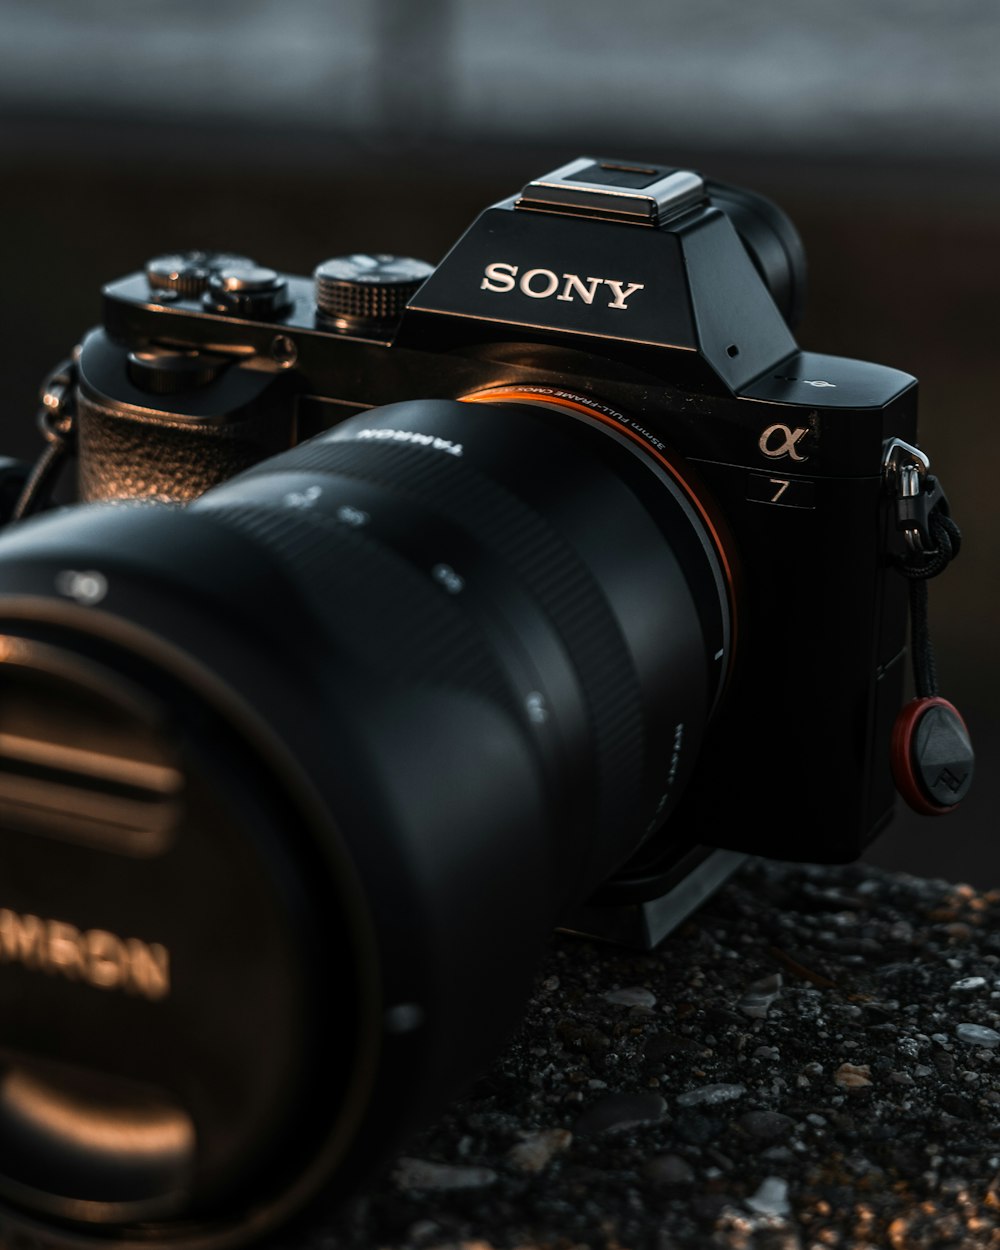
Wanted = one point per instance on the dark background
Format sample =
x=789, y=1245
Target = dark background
x=292, y=130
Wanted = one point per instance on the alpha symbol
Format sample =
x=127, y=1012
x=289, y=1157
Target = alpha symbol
x=770, y=446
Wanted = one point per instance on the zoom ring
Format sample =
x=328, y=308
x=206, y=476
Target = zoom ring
x=513, y=534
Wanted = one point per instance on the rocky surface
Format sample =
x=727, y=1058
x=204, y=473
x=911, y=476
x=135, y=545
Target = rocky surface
x=812, y=1061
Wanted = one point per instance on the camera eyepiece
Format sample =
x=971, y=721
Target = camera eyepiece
x=772, y=243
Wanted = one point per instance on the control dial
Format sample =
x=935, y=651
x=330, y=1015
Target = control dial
x=169, y=371
x=367, y=292
x=188, y=273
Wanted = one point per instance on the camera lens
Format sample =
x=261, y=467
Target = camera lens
x=295, y=780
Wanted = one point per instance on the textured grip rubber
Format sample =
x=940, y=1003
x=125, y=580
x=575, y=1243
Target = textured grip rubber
x=121, y=458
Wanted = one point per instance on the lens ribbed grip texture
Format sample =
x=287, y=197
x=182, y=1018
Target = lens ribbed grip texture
x=544, y=563
x=373, y=605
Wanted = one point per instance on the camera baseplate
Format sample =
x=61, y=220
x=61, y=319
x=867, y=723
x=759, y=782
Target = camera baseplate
x=681, y=887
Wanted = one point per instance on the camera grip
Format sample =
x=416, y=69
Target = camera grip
x=169, y=461
x=165, y=426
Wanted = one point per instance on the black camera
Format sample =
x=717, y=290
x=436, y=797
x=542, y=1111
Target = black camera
x=531, y=590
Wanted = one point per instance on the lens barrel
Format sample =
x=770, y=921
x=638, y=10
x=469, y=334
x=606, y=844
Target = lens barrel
x=295, y=780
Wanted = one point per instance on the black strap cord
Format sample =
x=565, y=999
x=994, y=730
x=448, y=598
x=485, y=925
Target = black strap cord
x=919, y=565
x=57, y=423
x=930, y=750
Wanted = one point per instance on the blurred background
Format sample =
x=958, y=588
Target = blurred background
x=292, y=130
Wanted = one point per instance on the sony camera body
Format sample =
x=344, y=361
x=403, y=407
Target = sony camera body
x=631, y=288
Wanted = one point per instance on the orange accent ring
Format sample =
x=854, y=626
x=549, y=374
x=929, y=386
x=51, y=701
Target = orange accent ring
x=513, y=395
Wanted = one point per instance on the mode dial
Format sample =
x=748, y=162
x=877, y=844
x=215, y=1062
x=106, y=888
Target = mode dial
x=363, y=292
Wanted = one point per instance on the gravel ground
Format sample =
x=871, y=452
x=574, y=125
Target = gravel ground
x=812, y=1061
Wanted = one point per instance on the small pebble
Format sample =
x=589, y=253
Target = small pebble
x=422, y=1174
x=633, y=996
x=977, y=1035
x=620, y=1111
x=969, y=983
x=852, y=1076
x=771, y=1198
x=696, y=1129
x=767, y=1124
x=710, y=1095
x=709, y=1206
x=759, y=995
x=778, y=1154
x=668, y=1170
x=536, y=1151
